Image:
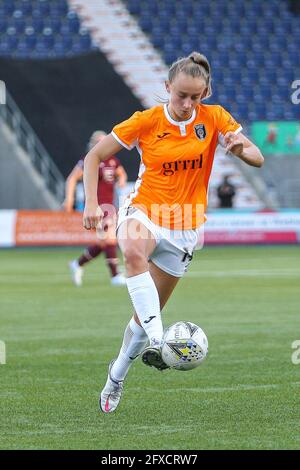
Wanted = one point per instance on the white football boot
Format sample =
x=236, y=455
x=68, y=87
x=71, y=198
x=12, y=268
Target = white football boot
x=151, y=356
x=76, y=272
x=111, y=394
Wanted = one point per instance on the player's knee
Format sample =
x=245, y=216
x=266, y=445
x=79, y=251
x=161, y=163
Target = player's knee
x=134, y=258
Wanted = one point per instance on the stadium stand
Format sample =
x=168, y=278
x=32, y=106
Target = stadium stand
x=40, y=29
x=252, y=45
x=143, y=69
x=64, y=104
x=28, y=177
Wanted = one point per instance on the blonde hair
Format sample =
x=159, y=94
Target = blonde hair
x=195, y=65
x=94, y=138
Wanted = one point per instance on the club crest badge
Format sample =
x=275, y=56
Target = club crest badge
x=200, y=131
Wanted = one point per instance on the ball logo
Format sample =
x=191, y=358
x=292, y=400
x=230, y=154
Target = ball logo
x=2, y=352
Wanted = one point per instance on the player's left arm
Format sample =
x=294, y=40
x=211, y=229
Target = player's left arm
x=121, y=176
x=243, y=148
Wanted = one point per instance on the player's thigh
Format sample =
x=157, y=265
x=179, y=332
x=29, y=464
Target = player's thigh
x=135, y=238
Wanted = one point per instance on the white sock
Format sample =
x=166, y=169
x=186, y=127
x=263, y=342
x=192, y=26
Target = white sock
x=145, y=299
x=134, y=342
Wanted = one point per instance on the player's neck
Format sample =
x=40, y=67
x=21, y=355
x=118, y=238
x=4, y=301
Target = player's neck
x=174, y=116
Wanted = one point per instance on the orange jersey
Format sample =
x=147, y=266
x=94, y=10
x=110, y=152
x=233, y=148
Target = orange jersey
x=176, y=161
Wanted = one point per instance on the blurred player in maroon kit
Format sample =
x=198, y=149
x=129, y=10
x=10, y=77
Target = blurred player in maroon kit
x=110, y=172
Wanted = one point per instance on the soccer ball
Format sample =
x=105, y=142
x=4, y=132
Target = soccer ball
x=184, y=345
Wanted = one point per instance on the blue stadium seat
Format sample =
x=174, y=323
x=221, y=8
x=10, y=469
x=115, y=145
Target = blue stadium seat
x=146, y=24
x=30, y=38
x=12, y=38
x=3, y=25
x=60, y=49
x=243, y=111
x=41, y=29
x=65, y=30
x=134, y=7
x=73, y=21
x=54, y=23
x=18, y=21
x=164, y=22
x=84, y=39
x=248, y=93
x=176, y=40
x=37, y=24
x=7, y=7
x=265, y=90
x=60, y=7
x=41, y=48
x=293, y=59
x=25, y=6
x=43, y=6
x=48, y=38
x=158, y=31
x=22, y=50
x=253, y=115
x=5, y=50
x=271, y=75
x=151, y=7
x=77, y=47
x=67, y=42
x=158, y=41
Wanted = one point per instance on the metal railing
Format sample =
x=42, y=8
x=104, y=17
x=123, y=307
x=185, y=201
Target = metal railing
x=37, y=153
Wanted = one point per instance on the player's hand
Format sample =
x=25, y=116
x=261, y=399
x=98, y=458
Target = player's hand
x=92, y=217
x=234, y=144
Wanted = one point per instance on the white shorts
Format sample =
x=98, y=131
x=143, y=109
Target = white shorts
x=174, y=248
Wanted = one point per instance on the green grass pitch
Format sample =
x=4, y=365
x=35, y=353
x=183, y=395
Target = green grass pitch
x=59, y=340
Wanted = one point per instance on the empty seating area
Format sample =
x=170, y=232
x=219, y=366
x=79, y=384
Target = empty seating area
x=253, y=47
x=41, y=29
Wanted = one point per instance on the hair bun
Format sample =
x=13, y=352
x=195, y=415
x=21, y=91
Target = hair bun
x=200, y=59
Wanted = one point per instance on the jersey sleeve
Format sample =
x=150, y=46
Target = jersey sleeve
x=226, y=123
x=127, y=132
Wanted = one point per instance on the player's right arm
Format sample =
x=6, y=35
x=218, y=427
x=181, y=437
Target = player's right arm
x=104, y=149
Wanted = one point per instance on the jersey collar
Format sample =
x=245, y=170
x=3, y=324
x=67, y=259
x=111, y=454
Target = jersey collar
x=179, y=123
